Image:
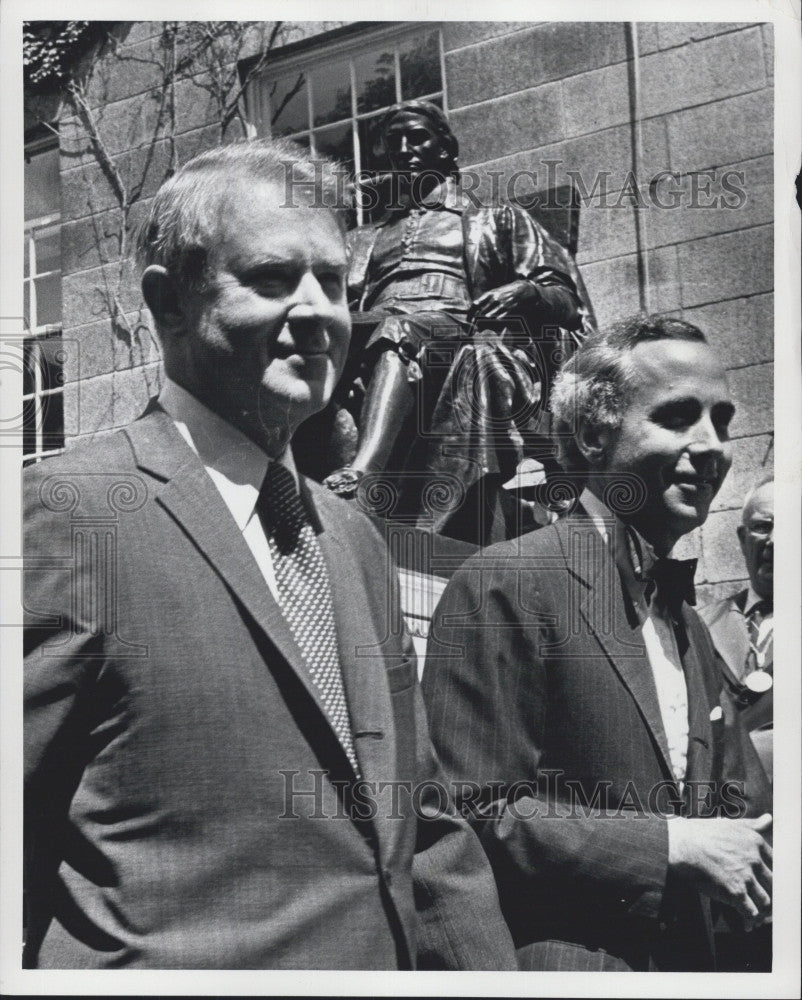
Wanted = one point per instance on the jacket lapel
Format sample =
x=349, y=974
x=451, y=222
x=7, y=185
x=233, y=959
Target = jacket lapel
x=702, y=696
x=731, y=634
x=188, y=494
x=601, y=605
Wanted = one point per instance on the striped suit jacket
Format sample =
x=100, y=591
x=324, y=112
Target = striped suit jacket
x=543, y=707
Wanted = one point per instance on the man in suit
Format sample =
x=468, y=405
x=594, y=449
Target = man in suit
x=222, y=728
x=742, y=629
x=742, y=625
x=573, y=693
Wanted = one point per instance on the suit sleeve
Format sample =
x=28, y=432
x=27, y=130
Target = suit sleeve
x=62, y=653
x=486, y=688
x=460, y=921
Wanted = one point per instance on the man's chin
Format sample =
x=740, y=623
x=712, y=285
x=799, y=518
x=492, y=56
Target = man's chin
x=689, y=506
x=298, y=397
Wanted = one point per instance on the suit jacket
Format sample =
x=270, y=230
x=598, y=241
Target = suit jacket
x=182, y=805
x=542, y=704
x=729, y=630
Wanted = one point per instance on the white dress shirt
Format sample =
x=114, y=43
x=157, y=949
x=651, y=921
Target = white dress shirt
x=235, y=464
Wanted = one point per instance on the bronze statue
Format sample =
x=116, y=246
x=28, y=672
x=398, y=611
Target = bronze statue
x=466, y=297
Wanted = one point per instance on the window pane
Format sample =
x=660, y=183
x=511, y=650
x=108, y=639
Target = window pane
x=331, y=93
x=26, y=256
x=30, y=353
x=371, y=146
x=52, y=363
x=420, y=66
x=48, y=299
x=288, y=105
x=53, y=421
x=48, y=249
x=29, y=422
x=375, y=80
x=42, y=192
x=337, y=143
x=27, y=292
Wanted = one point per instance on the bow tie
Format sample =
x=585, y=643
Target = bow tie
x=672, y=580
x=759, y=611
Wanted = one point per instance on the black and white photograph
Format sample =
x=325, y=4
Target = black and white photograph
x=390, y=442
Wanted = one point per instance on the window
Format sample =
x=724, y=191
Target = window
x=43, y=354
x=332, y=102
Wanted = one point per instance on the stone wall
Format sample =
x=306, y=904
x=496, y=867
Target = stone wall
x=520, y=94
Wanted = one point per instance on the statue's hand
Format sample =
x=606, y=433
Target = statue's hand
x=344, y=482
x=505, y=300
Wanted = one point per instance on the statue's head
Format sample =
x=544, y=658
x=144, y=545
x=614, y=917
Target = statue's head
x=419, y=139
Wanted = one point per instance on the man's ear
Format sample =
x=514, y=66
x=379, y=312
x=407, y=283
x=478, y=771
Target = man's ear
x=592, y=442
x=164, y=299
x=741, y=532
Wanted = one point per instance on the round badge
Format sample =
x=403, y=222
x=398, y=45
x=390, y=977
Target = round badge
x=759, y=681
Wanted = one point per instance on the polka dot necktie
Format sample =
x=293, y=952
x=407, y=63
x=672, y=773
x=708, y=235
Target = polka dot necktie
x=305, y=594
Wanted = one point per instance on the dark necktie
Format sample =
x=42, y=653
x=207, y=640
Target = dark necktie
x=305, y=594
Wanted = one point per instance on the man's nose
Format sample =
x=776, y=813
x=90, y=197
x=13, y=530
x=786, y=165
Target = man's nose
x=310, y=303
x=707, y=439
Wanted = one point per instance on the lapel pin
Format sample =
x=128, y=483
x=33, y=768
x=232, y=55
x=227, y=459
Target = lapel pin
x=758, y=681
x=716, y=714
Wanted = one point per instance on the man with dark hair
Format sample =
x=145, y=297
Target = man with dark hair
x=472, y=304
x=220, y=722
x=574, y=695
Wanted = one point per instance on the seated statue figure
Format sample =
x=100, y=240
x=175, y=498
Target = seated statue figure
x=475, y=306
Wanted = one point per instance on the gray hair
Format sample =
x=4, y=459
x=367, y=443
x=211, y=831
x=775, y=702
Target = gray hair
x=763, y=480
x=594, y=383
x=184, y=218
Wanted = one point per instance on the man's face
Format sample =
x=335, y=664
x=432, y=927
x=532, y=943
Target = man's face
x=756, y=536
x=413, y=146
x=270, y=334
x=674, y=436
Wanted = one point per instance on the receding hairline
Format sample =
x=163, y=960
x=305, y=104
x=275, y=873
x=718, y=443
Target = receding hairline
x=673, y=345
x=749, y=500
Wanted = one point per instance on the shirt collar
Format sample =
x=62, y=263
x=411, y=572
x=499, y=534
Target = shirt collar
x=752, y=599
x=236, y=465
x=632, y=553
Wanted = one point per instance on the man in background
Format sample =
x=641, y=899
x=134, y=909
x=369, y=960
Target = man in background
x=742, y=628
x=742, y=625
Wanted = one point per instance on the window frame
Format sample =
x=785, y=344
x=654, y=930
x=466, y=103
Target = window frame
x=322, y=51
x=35, y=334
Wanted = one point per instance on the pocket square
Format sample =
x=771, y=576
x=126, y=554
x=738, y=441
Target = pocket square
x=716, y=714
